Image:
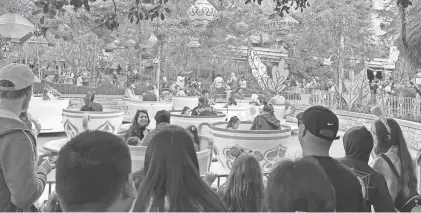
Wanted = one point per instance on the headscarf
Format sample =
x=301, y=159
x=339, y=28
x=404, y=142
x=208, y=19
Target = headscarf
x=358, y=143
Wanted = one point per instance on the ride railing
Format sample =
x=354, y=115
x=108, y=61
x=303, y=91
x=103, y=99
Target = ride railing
x=392, y=106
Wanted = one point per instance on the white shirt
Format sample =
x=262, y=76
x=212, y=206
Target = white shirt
x=219, y=81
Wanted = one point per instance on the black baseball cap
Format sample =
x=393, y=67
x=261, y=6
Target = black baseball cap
x=321, y=122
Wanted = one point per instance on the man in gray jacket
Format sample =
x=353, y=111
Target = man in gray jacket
x=21, y=182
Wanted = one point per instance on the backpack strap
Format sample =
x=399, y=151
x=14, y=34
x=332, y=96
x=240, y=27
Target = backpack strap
x=391, y=166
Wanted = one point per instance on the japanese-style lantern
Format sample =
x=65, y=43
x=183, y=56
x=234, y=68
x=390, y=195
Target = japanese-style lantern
x=201, y=13
x=241, y=27
x=194, y=43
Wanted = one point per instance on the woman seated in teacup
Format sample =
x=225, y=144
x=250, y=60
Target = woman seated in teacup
x=138, y=130
x=193, y=131
x=233, y=123
x=231, y=102
x=266, y=120
x=130, y=94
x=186, y=111
x=90, y=105
x=239, y=94
x=203, y=109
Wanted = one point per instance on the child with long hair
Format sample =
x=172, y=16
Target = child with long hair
x=244, y=189
x=172, y=181
x=233, y=123
x=394, y=162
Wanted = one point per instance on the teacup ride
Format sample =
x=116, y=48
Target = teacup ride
x=185, y=121
x=188, y=101
x=243, y=113
x=204, y=156
x=269, y=146
x=282, y=111
x=132, y=105
x=48, y=113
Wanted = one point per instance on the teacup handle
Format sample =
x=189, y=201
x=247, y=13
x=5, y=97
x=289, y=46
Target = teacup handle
x=199, y=128
x=85, y=121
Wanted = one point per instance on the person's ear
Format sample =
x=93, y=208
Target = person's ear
x=302, y=130
x=129, y=188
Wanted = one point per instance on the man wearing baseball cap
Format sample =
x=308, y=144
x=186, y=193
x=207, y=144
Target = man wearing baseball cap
x=318, y=130
x=21, y=182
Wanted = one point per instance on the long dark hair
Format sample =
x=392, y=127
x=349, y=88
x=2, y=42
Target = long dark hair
x=396, y=138
x=172, y=172
x=136, y=129
x=231, y=101
x=193, y=130
x=232, y=121
x=300, y=186
x=244, y=190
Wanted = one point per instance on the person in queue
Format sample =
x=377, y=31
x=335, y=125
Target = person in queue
x=94, y=174
x=129, y=93
x=162, y=119
x=138, y=130
x=244, y=189
x=316, y=134
x=90, y=104
x=299, y=186
x=233, y=123
x=266, y=120
x=395, y=163
x=172, y=182
x=21, y=182
x=358, y=144
x=195, y=134
x=150, y=95
x=203, y=109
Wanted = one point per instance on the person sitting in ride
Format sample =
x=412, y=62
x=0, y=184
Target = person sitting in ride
x=239, y=94
x=203, y=109
x=129, y=93
x=205, y=93
x=47, y=95
x=278, y=99
x=266, y=120
x=150, y=95
x=90, y=105
x=231, y=102
x=138, y=130
x=233, y=123
x=186, y=111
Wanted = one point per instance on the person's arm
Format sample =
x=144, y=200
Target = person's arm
x=17, y=159
x=194, y=112
x=148, y=137
x=381, y=200
x=382, y=167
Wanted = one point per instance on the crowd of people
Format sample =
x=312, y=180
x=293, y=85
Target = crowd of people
x=94, y=172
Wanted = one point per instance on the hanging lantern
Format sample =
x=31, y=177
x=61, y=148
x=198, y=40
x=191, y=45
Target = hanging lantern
x=241, y=27
x=194, y=43
x=201, y=14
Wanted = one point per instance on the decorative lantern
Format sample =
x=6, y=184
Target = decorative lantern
x=194, y=43
x=241, y=27
x=201, y=14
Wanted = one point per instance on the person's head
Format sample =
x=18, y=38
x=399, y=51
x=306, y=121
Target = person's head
x=172, y=171
x=141, y=119
x=151, y=88
x=193, y=131
x=384, y=140
x=244, y=188
x=292, y=187
x=135, y=71
x=162, y=116
x=268, y=109
x=186, y=111
x=233, y=123
x=240, y=90
x=231, y=101
x=318, y=130
x=299, y=117
x=16, y=82
x=90, y=96
x=358, y=143
x=203, y=101
x=242, y=78
x=232, y=74
x=93, y=173
x=262, y=99
x=205, y=93
x=132, y=86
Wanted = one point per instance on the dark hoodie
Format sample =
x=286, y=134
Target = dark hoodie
x=358, y=144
